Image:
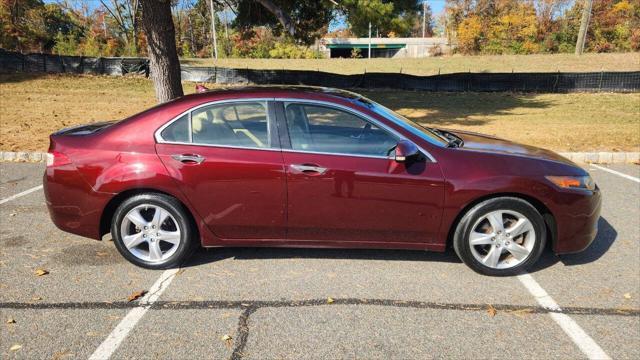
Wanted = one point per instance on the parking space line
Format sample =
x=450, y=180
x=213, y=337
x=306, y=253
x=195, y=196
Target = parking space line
x=26, y=192
x=115, y=338
x=629, y=177
x=579, y=337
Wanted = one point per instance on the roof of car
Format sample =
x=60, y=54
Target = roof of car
x=286, y=88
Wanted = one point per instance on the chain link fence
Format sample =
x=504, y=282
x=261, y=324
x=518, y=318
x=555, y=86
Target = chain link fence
x=559, y=82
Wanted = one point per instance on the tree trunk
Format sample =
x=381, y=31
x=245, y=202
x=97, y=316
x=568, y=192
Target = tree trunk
x=163, y=57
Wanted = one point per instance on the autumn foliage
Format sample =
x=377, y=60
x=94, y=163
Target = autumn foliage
x=526, y=27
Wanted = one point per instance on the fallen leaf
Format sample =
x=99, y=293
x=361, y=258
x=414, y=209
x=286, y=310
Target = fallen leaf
x=101, y=253
x=136, y=295
x=11, y=321
x=330, y=300
x=627, y=296
x=491, y=310
x=61, y=355
x=41, y=272
x=15, y=347
x=521, y=312
x=228, y=340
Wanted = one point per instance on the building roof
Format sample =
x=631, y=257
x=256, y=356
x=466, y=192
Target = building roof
x=382, y=43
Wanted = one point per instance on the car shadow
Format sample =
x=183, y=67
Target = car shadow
x=607, y=234
x=604, y=239
x=204, y=256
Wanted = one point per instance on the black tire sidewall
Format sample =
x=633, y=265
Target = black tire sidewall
x=464, y=228
x=175, y=209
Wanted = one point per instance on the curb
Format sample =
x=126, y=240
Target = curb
x=22, y=156
x=579, y=157
x=603, y=157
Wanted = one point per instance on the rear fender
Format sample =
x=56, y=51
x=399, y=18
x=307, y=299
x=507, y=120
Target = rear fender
x=134, y=171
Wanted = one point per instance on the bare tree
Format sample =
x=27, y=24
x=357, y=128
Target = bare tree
x=163, y=56
x=125, y=13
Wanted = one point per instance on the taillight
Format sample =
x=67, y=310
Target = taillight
x=55, y=158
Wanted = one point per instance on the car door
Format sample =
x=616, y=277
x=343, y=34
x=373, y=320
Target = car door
x=225, y=158
x=342, y=185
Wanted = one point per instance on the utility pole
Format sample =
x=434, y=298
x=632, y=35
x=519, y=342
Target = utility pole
x=226, y=32
x=369, y=40
x=424, y=17
x=214, y=52
x=584, y=26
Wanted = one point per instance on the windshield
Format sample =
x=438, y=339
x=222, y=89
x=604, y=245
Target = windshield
x=413, y=127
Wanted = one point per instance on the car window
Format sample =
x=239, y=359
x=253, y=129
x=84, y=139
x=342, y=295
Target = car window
x=177, y=131
x=243, y=124
x=325, y=129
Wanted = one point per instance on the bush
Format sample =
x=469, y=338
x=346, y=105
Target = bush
x=287, y=50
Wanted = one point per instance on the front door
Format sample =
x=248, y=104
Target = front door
x=342, y=186
x=226, y=160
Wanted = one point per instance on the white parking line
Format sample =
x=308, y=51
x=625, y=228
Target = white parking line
x=579, y=337
x=632, y=178
x=26, y=192
x=111, y=343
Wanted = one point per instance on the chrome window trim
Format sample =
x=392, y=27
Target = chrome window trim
x=220, y=146
x=338, y=154
x=158, y=137
x=357, y=113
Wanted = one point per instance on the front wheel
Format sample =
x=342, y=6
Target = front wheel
x=500, y=236
x=152, y=231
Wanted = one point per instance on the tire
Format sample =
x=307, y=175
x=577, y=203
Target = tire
x=153, y=231
x=496, y=250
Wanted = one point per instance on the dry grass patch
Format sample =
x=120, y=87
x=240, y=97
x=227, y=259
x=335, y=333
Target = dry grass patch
x=444, y=65
x=32, y=107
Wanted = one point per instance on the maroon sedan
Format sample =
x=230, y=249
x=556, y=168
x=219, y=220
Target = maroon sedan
x=312, y=167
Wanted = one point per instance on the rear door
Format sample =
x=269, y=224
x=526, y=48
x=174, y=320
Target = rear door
x=226, y=159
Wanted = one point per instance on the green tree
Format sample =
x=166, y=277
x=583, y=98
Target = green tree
x=304, y=20
x=386, y=16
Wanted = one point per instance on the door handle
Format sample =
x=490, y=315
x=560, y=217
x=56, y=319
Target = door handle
x=188, y=158
x=309, y=169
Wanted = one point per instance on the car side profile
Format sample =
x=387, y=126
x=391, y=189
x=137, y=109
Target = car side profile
x=312, y=167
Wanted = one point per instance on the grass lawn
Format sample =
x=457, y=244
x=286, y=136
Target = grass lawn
x=33, y=106
x=444, y=64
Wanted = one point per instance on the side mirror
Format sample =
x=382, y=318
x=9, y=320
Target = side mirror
x=404, y=150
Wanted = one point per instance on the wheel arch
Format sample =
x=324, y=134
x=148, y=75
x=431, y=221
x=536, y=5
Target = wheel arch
x=547, y=215
x=110, y=209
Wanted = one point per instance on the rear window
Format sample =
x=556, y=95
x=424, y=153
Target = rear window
x=178, y=131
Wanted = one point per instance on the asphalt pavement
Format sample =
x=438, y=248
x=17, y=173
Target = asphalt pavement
x=259, y=303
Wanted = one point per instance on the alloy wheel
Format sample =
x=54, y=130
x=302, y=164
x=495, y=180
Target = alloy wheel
x=502, y=239
x=150, y=233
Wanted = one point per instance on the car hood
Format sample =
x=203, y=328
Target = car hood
x=489, y=144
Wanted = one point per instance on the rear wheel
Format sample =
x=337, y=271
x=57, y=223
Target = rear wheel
x=152, y=231
x=500, y=236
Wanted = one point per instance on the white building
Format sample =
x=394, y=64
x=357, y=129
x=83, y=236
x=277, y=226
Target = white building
x=384, y=47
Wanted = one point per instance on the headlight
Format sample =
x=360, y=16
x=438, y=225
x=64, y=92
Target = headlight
x=573, y=182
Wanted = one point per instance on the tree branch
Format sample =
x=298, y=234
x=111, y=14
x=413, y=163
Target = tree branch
x=283, y=18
